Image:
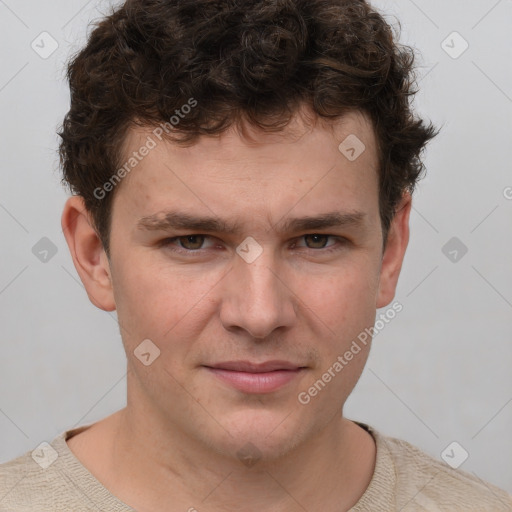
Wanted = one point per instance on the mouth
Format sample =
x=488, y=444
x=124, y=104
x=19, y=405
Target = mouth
x=250, y=377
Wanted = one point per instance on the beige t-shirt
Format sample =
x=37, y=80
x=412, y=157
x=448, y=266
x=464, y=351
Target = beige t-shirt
x=405, y=479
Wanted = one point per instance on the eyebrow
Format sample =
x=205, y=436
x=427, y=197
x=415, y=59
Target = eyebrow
x=170, y=220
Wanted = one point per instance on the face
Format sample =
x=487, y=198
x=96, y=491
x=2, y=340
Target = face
x=255, y=250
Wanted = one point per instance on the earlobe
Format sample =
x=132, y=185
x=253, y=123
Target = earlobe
x=398, y=239
x=88, y=254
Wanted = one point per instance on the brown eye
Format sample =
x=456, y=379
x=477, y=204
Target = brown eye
x=318, y=241
x=191, y=242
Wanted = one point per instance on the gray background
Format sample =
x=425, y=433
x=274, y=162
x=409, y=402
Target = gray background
x=438, y=373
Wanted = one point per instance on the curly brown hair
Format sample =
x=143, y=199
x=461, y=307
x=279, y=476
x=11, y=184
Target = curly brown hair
x=258, y=60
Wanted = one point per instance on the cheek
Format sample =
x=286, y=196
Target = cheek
x=342, y=300
x=153, y=302
x=342, y=307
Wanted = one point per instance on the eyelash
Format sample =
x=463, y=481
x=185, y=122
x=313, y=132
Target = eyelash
x=168, y=243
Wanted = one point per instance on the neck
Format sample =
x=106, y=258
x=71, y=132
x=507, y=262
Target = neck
x=329, y=472
x=168, y=470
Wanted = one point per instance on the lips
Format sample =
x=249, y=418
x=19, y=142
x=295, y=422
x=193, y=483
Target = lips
x=250, y=377
x=247, y=366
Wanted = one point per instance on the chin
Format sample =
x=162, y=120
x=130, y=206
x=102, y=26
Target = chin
x=260, y=434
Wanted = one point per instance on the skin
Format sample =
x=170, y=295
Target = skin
x=175, y=445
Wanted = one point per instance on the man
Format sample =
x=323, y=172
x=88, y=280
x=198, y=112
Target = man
x=242, y=176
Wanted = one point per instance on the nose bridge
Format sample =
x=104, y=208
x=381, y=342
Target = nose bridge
x=255, y=299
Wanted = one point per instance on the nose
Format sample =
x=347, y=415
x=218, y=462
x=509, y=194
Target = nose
x=256, y=297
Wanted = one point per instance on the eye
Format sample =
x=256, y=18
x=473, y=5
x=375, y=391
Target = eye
x=192, y=242
x=317, y=241
x=186, y=243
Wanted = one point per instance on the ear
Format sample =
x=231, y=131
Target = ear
x=88, y=255
x=398, y=238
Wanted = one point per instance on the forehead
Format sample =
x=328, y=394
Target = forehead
x=305, y=167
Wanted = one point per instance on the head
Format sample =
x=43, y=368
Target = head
x=283, y=121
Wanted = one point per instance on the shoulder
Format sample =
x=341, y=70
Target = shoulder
x=23, y=484
x=51, y=478
x=426, y=483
